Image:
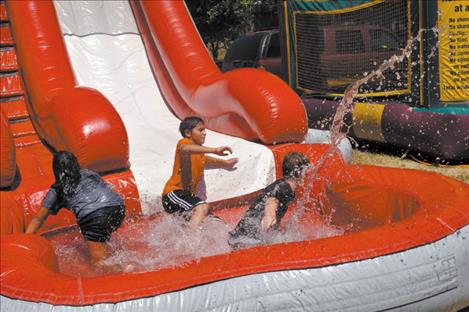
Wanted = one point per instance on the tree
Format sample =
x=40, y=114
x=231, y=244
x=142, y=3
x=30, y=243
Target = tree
x=265, y=14
x=221, y=21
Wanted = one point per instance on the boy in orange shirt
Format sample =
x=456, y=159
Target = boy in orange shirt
x=189, y=163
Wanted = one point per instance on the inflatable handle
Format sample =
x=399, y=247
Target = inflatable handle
x=87, y=124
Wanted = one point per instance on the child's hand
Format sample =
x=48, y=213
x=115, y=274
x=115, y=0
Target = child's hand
x=223, y=151
x=267, y=222
x=231, y=162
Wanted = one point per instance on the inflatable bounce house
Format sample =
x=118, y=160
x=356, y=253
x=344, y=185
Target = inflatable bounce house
x=420, y=103
x=110, y=82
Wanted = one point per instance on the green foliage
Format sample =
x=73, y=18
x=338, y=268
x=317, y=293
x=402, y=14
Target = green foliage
x=219, y=22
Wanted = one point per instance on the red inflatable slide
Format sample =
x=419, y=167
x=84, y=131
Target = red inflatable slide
x=361, y=237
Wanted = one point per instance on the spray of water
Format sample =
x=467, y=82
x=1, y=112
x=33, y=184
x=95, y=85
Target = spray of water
x=346, y=104
x=145, y=245
x=167, y=242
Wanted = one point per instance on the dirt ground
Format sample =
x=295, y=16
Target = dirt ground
x=460, y=172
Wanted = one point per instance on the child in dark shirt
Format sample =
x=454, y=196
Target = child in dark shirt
x=268, y=209
x=99, y=210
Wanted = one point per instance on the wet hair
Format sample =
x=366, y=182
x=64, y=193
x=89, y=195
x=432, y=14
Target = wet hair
x=293, y=163
x=67, y=173
x=189, y=123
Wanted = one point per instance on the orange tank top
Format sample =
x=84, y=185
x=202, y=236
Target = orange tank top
x=186, y=174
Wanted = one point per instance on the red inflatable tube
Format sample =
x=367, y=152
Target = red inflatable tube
x=87, y=123
x=267, y=110
x=11, y=215
x=7, y=153
x=12, y=218
x=78, y=119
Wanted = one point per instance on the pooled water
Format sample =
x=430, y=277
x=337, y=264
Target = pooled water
x=165, y=242
x=168, y=242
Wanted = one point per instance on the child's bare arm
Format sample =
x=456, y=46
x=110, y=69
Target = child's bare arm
x=200, y=149
x=38, y=220
x=213, y=161
x=223, y=150
x=270, y=211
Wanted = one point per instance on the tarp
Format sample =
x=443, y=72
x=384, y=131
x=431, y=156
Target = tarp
x=331, y=6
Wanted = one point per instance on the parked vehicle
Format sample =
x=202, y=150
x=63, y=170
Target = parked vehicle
x=348, y=51
x=339, y=54
x=260, y=49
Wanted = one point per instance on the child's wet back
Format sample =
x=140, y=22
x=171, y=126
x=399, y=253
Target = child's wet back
x=99, y=210
x=91, y=194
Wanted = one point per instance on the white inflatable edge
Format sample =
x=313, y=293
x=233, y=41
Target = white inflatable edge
x=432, y=277
x=315, y=136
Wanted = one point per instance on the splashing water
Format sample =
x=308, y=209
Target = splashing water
x=148, y=244
x=167, y=242
x=164, y=242
x=346, y=104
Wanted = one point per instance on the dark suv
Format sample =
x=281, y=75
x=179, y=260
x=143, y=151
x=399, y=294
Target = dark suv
x=260, y=49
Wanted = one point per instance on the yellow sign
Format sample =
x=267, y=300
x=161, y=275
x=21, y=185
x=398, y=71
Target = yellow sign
x=453, y=51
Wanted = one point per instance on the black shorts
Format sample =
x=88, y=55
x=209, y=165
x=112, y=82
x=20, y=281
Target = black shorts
x=180, y=202
x=247, y=233
x=99, y=225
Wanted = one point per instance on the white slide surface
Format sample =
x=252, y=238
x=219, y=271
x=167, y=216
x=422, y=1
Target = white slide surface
x=107, y=54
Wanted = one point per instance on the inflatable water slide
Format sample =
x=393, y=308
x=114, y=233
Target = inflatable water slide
x=109, y=81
